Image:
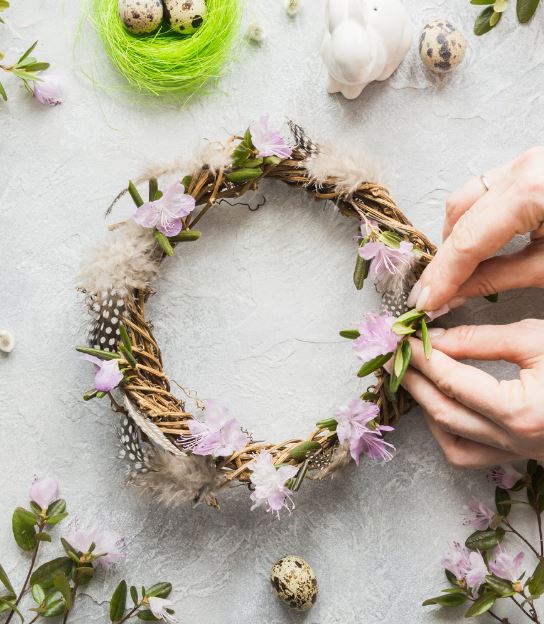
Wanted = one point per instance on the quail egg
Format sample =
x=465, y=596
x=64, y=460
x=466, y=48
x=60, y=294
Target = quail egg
x=7, y=341
x=140, y=17
x=442, y=46
x=294, y=582
x=185, y=16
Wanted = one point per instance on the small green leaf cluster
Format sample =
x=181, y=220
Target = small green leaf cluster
x=522, y=593
x=27, y=68
x=492, y=14
x=121, y=612
x=246, y=165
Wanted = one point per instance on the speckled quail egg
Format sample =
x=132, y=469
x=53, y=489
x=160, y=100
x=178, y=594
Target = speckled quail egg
x=185, y=16
x=141, y=16
x=294, y=582
x=7, y=341
x=441, y=46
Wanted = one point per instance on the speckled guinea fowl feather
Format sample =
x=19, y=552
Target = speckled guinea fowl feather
x=107, y=309
x=303, y=141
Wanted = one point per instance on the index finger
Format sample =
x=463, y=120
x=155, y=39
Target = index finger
x=480, y=232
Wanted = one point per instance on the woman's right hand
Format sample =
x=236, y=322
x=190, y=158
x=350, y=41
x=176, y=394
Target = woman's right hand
x=478, y=224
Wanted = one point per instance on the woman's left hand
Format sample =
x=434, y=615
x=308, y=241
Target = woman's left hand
x=478, y=420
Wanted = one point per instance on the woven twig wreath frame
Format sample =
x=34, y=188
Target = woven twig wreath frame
x=150, y=406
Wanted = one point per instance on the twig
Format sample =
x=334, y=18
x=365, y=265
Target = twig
x=129, y=614
x=512, y=598
x=522, y=538
x=74, y=592
x=30, y=570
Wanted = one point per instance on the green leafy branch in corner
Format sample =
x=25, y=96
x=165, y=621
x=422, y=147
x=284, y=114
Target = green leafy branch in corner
x=492, y=14
x=484, y=573
x=53, y=585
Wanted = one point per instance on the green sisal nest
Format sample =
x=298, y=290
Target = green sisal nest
x=165, y=62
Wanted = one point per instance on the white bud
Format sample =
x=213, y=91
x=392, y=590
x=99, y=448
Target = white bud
x=292, y=7
x=256, y=33
x=7, y=341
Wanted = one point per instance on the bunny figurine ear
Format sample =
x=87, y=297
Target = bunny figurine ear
x=365, y=40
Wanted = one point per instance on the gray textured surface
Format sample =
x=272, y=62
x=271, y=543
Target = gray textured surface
x=249, y=315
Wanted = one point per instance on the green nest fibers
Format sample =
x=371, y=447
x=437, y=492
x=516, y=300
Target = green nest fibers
x=165, y=62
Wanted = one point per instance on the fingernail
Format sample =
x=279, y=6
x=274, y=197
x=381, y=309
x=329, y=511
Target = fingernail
x=437, y=313
x=423, y=298
x=457, y=302
x=414, y=294
x=436, y=332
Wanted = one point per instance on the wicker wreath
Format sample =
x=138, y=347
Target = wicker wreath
x=155, y=423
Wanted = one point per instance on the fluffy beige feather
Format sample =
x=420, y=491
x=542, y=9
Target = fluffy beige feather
x=124, y=261
x=173, y=480
x=349, y=168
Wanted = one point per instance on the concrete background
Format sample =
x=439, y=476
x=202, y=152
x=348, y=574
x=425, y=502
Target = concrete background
x=250, y=314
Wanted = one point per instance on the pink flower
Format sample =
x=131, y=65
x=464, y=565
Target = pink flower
x=367, y=226
x=386, y=260
x=219, y=436
x=107, y=376
x=48, y=90
x=356, y=427
x=376, y=337
x=269, y=483
x=468, y=567
x=107, y=545
x=505, y=566
x=44, y=491
x=478, y=515
x=166, y=214
x=505, y=476
x=267, y=140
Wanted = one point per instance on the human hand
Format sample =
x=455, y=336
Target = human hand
x=480, y=223
x=477, y=420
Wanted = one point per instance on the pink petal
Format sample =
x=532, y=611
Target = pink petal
x=44, y=492
x=172, y=229
x=147, y=215
x=108, y=376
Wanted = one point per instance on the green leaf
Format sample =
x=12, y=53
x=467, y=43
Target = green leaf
x=272, y=160
x=485, y=540
x=125, y=337
x=330, y=424
x=45, y=574
x=503, y=502
x=406, y=354
x=52, y=520
x=398, y=362
x=409, y=317
x=536, y=583
x=447, y=600
x=402, y=330
x=481, y=605
x=4, y=579
x=186, y=181
x=186, y=236
x=360, y=273
x=61, y=583
x=427, y=346
x=159, y=590
x=483, y=25
x=350, y=334
x=390, y=238
x=128, y=356
x=373, y=365
x=451, y=578
x=302, y=451
x=3, y=93
x=253, y=162
x=501, y=587
x=118, y=602
x=43, y=537
x=84, y=574
x=163, y=243
x=58, y=507
x=482, y=1
x=525, y=9
x=532, y=465
x=23, y=524
x=147, y=616
x=241, y=154
x=133, y=192
x=500, y=6
x=494, y=20
x=492, y=298
x=38, y=594
x=134, y=595
x=239, y=176
x=27, y=53
x=35, y=67
x=4, y=4
x=103, y=355
x=153, y=188
x=54, y=605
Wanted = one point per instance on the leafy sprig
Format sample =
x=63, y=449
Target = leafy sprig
x=27, y=68
x=492, y=14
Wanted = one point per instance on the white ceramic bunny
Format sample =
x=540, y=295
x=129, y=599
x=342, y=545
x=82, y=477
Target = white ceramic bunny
x=365, y=40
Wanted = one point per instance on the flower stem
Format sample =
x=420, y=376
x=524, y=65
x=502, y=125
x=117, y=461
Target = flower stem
x=523, y=539
x=499, y=619
x=29, y=573
x=539, y=522
x=74, y=592
x=34, y=619
x=129, y=614
x=529, y=615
